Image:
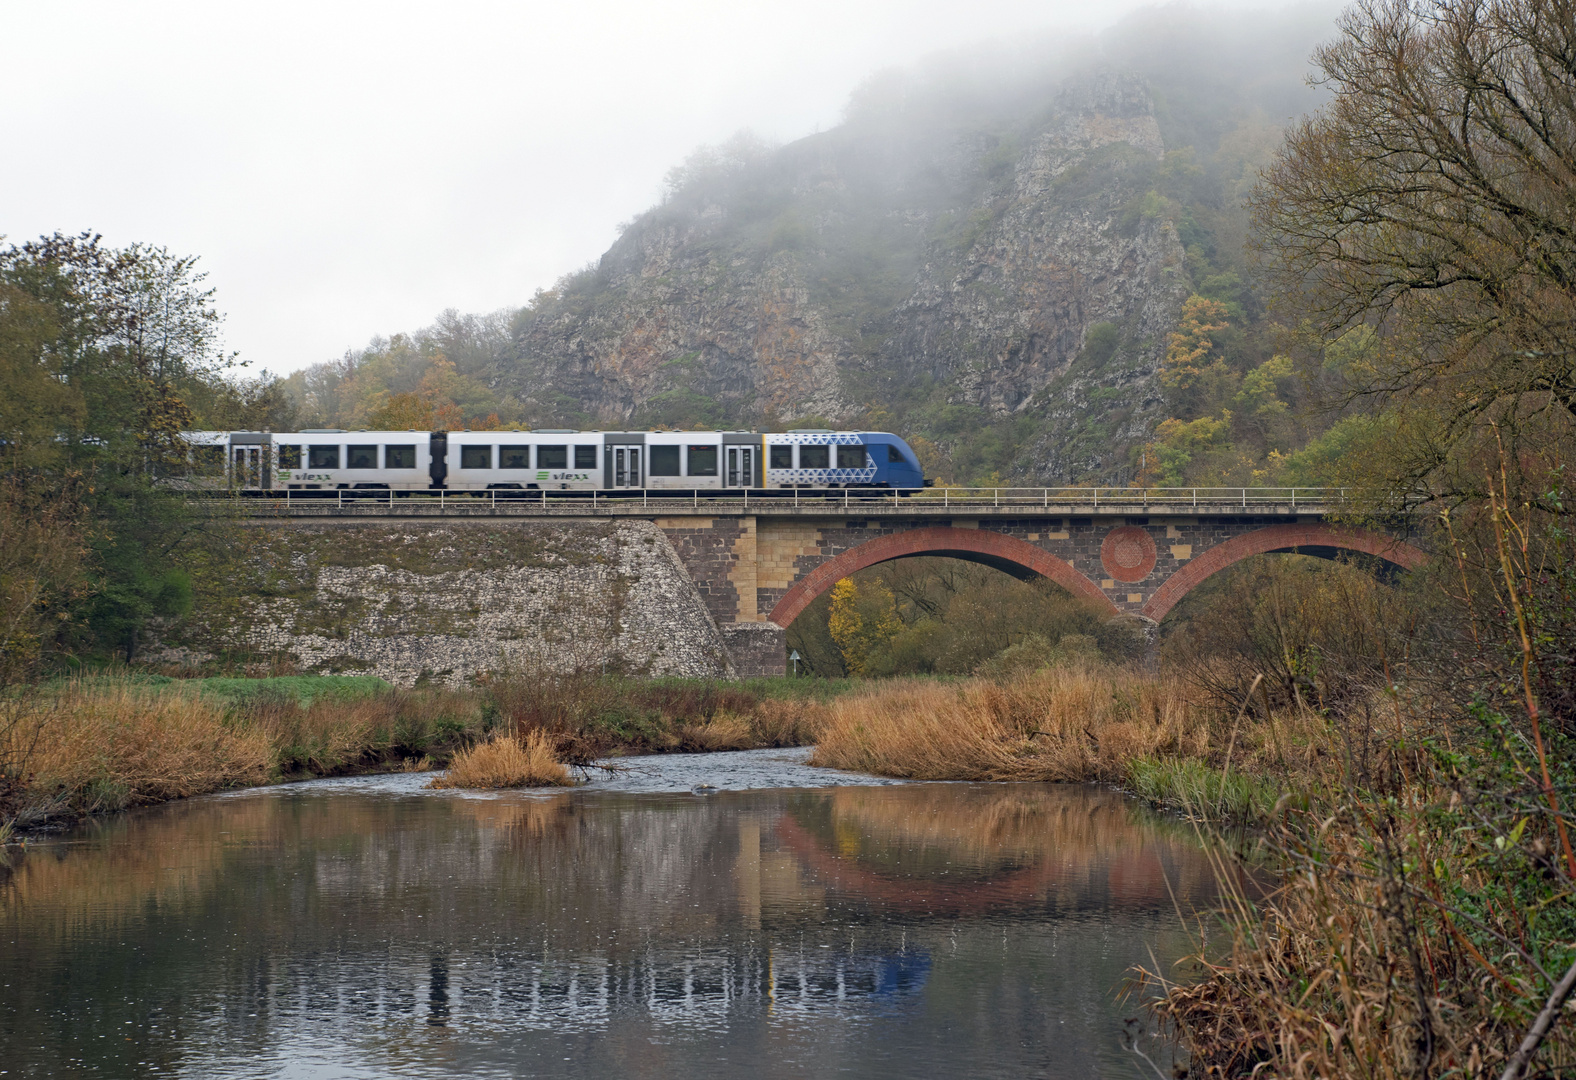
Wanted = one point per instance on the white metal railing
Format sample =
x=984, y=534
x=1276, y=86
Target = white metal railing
x=927, y=500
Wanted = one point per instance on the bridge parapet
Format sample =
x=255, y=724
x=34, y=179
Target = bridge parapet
x=992, y=502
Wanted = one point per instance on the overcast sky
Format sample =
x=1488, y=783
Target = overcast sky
x=352, y=169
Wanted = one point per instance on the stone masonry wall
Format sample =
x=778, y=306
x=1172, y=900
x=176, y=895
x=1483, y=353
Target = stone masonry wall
x=444, y=601
x=746, y=566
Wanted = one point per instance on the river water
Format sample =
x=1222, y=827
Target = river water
x=781, y=922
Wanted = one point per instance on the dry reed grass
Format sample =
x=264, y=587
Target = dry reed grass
x=506, y=762
x=1082, y=723
x=768, y=723
x=330, y=735
x=590, y=716
x=93, y=747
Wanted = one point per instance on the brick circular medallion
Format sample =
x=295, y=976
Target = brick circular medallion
x=1128, y=553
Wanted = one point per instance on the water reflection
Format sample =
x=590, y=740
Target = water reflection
x=905, y=931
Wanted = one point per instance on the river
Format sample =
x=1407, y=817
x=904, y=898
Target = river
x=718, y=915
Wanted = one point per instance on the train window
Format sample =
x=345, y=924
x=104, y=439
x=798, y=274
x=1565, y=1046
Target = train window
x=703, y=461
x=895, y=456
x=514, y=457
x=850, y=457
x=814, y=457
x=663, y=461
x=399, y=457
x=475, y=457
x=552, y=457
x=585, y=457
x=210, y=456
x=361, y=457
x=782, y=457
x=322, y=457
x=289, y=457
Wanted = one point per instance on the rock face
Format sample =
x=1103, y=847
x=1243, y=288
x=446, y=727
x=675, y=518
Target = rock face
x=883, y=273
x=441, y=602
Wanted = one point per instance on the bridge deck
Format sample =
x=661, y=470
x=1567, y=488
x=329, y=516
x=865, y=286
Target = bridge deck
x=937, y=502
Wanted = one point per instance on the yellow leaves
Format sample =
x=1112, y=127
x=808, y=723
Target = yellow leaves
x=1189, y=349
x=862, y=619
x=1200, y=434
x=844, y=621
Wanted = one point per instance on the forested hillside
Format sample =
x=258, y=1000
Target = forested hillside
x=1029, y=259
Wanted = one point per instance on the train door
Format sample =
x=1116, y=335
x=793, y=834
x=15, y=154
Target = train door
x=246, y=467
x=741, y=466
x=626, y=466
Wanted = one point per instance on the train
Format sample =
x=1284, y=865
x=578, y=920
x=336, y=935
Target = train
x=557, y=459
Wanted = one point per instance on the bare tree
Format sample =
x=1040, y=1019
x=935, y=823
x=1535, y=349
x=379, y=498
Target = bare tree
x=1434, y=198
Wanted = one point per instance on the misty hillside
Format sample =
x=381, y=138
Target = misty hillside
x=987, y=255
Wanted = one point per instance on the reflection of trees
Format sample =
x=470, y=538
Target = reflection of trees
x=974, y=848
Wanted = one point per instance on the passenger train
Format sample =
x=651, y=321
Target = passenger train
x=333, y=459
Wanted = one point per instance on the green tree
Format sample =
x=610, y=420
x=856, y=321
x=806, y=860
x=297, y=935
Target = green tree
x=100, y=349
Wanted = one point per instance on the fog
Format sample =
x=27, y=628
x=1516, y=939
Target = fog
x=351, y=169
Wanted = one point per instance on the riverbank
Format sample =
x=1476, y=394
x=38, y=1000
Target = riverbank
x=1150, y=734
x=1348, y=803
x=107, y=742
x=1423, y=908
x=103, y=743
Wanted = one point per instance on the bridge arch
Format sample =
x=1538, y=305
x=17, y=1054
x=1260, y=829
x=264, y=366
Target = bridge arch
x=1017, y=557
x=1323, y=541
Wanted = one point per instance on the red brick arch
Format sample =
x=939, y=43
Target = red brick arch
x=976, y=545
x=1311, y=538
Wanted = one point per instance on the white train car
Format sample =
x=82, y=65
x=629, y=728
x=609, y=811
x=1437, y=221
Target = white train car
x=334, y=459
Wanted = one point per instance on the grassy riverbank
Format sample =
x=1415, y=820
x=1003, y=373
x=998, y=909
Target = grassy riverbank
x=106, y=742
x=1083, y=723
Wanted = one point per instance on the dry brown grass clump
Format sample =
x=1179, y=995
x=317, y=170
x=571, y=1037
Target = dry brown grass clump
x=768, y=723
x=1070, y=723
x=506, y=762
x=104, y=746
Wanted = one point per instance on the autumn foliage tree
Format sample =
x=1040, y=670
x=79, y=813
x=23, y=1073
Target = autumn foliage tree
x=1434, y=200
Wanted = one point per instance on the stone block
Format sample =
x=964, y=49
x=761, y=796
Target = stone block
x=756, y=650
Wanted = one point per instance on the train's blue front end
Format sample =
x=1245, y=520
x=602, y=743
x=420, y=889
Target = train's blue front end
x=896, y=464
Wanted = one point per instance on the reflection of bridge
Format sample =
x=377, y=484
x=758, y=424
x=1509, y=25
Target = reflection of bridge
x=760, y=558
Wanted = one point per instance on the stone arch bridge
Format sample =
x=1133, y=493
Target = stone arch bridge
x=756, y=564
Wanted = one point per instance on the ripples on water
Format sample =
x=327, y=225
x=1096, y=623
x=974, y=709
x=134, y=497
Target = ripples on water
x=366, y=928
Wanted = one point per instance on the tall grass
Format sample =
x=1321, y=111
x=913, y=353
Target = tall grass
x=591, y=716
x=1084, y=723
x=103, y=742
x=1066, y=723
x=107, y=745
x=506, y=762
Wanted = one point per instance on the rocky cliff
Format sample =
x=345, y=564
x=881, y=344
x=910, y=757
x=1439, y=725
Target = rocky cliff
x=889, y=268
x=987, y=255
